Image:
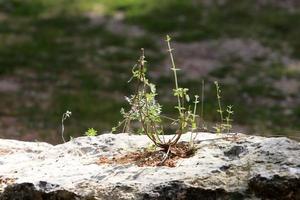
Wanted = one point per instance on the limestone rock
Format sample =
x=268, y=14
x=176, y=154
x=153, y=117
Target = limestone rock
x=245, y=167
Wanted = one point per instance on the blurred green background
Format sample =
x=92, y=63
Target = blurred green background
x=58, y=55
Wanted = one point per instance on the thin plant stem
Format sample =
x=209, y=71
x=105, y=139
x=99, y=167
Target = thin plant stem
x=165, y=156
x=174, y=69
x=219, y=100
x=66, y=115
x=202, y=107
x=62, y=129
x=194, y=116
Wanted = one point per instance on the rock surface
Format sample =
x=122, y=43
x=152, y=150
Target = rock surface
x=245, y=167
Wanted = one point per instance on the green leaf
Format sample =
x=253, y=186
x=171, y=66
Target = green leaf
x=152, y=88
x=187, y=97
x=168, y=38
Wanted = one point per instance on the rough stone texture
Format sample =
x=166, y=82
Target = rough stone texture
x=247, y=167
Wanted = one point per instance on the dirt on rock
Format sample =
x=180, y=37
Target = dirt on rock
x=152, y=158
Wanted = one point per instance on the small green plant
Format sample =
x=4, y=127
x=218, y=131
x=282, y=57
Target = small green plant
x=228, y=118
x=201, y=117
x=225, y=123
x=145, y=109
x=66, y=115
x=91, y=132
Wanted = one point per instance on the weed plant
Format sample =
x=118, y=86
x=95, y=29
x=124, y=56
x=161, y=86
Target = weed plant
x=225, y=122
x=145, y=109
x=65, y=116
x=91, y=132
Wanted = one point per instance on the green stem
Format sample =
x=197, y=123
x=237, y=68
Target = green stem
x=195, y=108
x=219, y=101
x=174, y=69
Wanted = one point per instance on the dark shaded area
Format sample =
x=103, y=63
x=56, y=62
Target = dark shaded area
x=176, y=190
x=27, y=191
x=235, y=152
x=279, y=188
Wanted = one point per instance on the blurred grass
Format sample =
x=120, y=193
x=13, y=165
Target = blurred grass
x=73, y=61
x=192, y=21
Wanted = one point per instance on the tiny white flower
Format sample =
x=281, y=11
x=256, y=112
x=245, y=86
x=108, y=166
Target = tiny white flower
x=68, y=113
